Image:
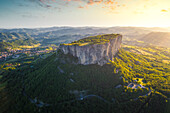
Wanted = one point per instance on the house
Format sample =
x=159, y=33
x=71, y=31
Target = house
x=135, y=86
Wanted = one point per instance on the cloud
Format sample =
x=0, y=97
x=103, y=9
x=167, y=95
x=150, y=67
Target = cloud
x=164, y=10
x=104, y=2
x=43, y=3
x=80, y=7
x=77, y=3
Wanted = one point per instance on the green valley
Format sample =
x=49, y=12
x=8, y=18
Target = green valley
x=57, y=85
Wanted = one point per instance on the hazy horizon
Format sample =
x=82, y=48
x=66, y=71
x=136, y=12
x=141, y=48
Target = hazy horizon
x=39, y=27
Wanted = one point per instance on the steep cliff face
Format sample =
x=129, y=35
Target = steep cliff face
x=94, y=53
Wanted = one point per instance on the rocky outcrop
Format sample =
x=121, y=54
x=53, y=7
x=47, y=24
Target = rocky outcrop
x=94, y=53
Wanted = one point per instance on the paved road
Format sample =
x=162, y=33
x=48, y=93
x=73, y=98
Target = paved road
x=99, y=97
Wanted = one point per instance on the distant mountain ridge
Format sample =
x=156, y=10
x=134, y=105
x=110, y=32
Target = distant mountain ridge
x=58, y=35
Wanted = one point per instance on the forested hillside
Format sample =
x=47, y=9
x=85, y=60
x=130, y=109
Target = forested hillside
x=13, y=36
x=57, y=84
x=136, y=82
x=14, y=40
x=157, y=39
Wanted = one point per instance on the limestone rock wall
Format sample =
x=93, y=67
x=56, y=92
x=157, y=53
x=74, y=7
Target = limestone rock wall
x=94, y=54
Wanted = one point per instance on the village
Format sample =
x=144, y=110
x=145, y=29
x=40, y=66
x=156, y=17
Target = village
x=16, y=53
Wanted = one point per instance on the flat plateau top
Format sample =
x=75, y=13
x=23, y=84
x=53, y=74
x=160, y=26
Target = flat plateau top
x=99, y=39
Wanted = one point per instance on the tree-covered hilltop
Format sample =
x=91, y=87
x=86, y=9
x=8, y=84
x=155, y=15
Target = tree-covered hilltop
x=13, y=40
x=99, y=39
x=4, y=46
x=21, y=42
x=58, y=84
x=14, y=44
x=13, y=36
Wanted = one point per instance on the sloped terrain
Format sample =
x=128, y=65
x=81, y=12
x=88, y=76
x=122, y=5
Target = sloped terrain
x=56, y=84
x=157, y=39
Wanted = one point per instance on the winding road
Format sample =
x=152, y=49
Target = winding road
x=39, y=103
x=99, y=97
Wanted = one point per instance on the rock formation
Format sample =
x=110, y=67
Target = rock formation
x=99, y=53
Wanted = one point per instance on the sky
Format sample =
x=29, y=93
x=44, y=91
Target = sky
x=100, y=13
